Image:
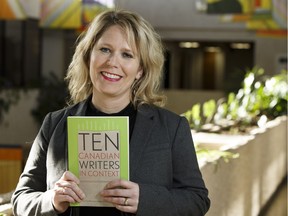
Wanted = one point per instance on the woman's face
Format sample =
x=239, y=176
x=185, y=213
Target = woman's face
x=114, y=65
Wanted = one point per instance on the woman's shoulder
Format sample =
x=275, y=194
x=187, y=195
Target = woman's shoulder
x=70, y=110
x=58, y=118
x=167, y=119
x=162, y=112
x=62, y=111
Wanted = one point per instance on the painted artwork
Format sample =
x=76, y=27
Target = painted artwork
x=90, y=9
x=74, y=14
x=19, y=9
x=31, y=8
x=238, y=6
x=60, y=13
x=257, y=14
x=67, y=14
x=224, y=7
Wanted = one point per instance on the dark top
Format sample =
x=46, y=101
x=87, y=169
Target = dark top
x=92, y=111
x=162, y=161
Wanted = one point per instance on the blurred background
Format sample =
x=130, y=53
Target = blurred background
x=211, y=47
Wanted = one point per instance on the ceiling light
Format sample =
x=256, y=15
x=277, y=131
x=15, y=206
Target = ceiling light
x=212, y=49
x=189, y=44
x=240, y=45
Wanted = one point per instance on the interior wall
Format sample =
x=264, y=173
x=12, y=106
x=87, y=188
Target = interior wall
x=180, y=101
x=180, y=14
x=267, y=53
x=179, y=20
x=18, y=126
x=53, y=58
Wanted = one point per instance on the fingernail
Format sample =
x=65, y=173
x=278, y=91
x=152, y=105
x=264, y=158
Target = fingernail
x=82, y=196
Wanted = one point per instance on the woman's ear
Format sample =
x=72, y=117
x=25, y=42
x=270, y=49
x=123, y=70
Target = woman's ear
x=139, y=74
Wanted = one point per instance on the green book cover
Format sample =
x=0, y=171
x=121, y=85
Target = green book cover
x=98, y=152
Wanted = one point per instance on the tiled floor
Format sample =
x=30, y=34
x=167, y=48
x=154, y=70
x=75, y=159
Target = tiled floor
x=278, y=204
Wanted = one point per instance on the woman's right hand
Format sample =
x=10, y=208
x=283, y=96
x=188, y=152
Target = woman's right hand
x=66, y=191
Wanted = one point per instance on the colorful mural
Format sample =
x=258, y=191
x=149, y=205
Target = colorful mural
x=31, y=8
x=11, y=10
x=90, y=8
x=60, y=14
x=19, y=9
x=261, y=15
x=238, y=6
x=75, y=14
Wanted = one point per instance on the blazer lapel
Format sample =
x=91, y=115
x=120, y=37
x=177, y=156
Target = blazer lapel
x=141, y=134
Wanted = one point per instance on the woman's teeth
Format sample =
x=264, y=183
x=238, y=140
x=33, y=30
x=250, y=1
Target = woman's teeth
x=111, y=76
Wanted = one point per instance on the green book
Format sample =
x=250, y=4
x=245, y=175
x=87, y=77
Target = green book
x=98, y=152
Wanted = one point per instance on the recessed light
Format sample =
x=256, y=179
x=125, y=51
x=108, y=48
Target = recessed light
x=212, y=49
x=240, y=45
x=189, y=44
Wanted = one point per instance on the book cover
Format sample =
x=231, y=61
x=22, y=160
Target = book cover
x=98, y=152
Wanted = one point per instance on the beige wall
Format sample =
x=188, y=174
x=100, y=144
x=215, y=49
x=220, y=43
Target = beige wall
x=179, y=101
x=18, y=126
x=245, y=184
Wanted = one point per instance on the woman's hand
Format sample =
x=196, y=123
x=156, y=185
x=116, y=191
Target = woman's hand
x=66, y=191
x=124, y=195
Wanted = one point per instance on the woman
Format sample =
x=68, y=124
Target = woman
x=116, y=70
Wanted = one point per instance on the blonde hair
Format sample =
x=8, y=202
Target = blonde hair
x=149, y=49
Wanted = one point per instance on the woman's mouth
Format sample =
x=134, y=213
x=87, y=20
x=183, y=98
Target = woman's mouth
x=110, y=76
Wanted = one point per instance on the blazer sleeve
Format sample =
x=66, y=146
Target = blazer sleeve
x=31, y=196
x=188, y=195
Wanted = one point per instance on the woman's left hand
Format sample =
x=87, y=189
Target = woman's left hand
x=124, y=195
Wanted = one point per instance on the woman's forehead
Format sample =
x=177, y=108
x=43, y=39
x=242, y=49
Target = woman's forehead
x=128, y=34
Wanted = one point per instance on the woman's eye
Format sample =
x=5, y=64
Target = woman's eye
x=105, y=50
x=127, y=55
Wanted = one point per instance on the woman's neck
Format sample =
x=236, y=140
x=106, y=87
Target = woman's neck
x=110, y=105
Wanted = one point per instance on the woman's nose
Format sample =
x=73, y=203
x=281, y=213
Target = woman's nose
x=112, y=60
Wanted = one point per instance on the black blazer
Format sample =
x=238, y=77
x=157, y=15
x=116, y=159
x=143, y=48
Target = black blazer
x=162, y=161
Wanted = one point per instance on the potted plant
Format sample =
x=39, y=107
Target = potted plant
x=261, y=99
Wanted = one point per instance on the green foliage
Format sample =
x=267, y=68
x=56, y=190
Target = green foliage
x=213, y=155
x=52, y=96
x=8, y=97
x=209, y=108
x=193, y=116
x=261, y=97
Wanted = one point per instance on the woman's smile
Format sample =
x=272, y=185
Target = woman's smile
x=114, y=66
x=110, y=76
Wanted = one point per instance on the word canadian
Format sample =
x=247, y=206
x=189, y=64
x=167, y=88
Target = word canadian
x=99, y=141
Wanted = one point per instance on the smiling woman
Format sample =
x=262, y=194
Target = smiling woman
x=113, y=68
x=116, y=71
x=142, y=43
